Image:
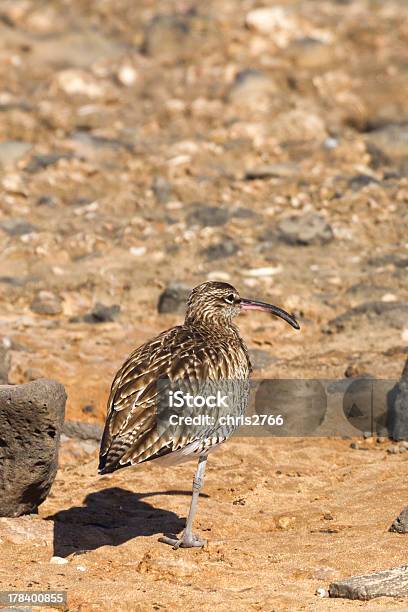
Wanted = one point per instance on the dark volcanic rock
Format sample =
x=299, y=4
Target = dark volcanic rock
x=309, y=228
x=397, y=421
x=31, y=418
x=174, y=298
x=102, y=314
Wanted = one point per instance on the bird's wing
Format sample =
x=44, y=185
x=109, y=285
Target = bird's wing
x=133, y=433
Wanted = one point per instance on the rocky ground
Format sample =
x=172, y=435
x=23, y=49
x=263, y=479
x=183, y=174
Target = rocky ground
x=263, y=144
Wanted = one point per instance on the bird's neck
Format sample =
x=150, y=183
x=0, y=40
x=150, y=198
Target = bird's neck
x=211, y=326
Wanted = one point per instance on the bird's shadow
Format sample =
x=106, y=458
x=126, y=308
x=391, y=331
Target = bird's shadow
x=111, y=517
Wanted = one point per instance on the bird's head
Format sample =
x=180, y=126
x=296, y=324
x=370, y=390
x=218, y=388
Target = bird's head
x=218, y=303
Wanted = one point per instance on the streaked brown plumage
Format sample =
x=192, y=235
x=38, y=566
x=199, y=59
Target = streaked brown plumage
x=206, y=350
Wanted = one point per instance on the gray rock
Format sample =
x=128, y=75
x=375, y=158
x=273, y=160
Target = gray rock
x=11, y=151
x=400, y=524
x=181, y=36
x=359, y=181
x=306, y=229
x=46, y=303
x=39, y=162
x=102, y=314
x=174, y=298
x=99, y=314
x=397, y=421
x=220, y=250
x=4, y=363
x=82, y=431
x=382, y=313
x=391, y=140
x=161, y=189
x=31, y=418
x=17, y=227
x=388, y=583
x=265, y=171
x=206, y=216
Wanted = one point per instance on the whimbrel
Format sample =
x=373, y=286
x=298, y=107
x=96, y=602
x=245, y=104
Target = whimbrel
x=204, y=352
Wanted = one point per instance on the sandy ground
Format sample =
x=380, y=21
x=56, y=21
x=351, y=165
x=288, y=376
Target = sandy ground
x=282, y=519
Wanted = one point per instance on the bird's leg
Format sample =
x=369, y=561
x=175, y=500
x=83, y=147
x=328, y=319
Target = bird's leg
x=188, y=539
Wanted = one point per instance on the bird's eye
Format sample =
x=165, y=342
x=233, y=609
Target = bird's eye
x=230, y=298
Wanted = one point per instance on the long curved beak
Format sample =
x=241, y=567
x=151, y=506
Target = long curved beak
x=279, y=312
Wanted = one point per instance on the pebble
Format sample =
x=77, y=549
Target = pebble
x=78, y=82
x=161, y=189
x=11, y=151
x=321, y=592
x=283, y=170
x=275, y=20
x=261, y=272
x=206, y=216
x=306, y=229
x=174, y=298
x=102, y=313
x=127, y=75
x=58, y=560
x=137, y=251
x=18, y=227
x=46, y=302
x=220, y=250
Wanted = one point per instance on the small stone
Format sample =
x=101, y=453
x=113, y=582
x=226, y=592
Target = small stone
x=168, y=37
x=47, y=303
x=306, y=229
x=79, y=82
x=311, y=53
x=58, y=560
x=391, y=140
x=355, y=446
x=275, y=21
x=206, y=216
x=392, y=450
x=11, y=151
x=220, y=250
x=285, y=522
x=12, y=183
x=261, y=272
x=361, y=180
x=81, y=568
x=174, y=298
x=321, y=592
x=102, y=313
x=161, y=189
x=18, y=227
x=283, y=170
x=252, y=89
x=127, y=75
x=137, y=251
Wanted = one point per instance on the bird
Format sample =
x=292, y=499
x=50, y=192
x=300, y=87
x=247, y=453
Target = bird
x=204, y=354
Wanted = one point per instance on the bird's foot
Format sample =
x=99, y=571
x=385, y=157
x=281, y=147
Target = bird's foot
x=187, y=540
